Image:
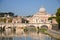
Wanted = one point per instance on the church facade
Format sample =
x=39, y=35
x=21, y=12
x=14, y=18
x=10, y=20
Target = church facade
x=40, y=19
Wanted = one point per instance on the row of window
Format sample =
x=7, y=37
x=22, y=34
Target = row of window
x=38, y=20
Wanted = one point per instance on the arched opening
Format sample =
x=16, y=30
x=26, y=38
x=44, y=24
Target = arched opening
x=30, y=28
x=44, y=26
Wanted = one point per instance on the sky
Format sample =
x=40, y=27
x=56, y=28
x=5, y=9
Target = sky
x=28, y=7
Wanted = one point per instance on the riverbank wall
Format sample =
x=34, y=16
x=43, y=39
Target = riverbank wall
x=54, y=33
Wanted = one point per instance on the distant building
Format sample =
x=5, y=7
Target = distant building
x=54, y=23
x=17, y=19
x=40, y=17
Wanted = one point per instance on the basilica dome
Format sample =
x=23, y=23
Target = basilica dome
x=42, y=9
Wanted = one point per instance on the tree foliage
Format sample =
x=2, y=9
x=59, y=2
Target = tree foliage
x=50, y=18
x=10, y=20
x=58, y=16
x=2, y=19
x=2, y=14
x=29, y=16
x=58, y=12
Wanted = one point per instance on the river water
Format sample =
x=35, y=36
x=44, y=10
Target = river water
x=28, y=36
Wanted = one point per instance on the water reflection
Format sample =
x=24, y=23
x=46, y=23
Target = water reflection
x=28, y=36
x=6, y=38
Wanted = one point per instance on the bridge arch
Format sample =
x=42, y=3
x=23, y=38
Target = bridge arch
x=44, y=26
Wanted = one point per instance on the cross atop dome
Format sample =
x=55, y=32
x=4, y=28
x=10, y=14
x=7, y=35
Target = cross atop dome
x=42, y=9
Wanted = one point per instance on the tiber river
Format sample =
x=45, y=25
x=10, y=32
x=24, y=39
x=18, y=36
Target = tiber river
x=28, y=36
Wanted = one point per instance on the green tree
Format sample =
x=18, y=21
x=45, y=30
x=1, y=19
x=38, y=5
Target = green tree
x=4, y=20
x=2, y=14
x=10, y=13
x=58, y=16
x=10, y=20
x=50, y=18
x=29, y=16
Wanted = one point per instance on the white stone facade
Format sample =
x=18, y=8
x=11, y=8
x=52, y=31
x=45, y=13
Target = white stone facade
x=40, y=17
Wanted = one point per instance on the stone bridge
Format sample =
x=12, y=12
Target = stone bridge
x=47, y=25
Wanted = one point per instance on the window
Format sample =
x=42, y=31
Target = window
x=42, y=20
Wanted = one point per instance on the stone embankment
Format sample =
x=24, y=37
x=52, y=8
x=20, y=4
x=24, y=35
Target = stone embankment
x=54, y=33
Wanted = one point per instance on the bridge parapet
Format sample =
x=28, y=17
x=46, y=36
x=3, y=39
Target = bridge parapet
x=49, y=25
